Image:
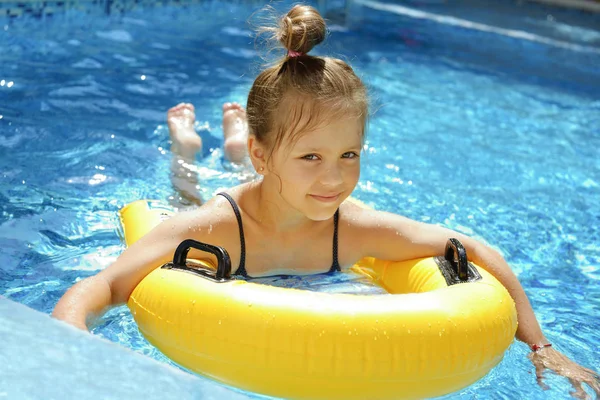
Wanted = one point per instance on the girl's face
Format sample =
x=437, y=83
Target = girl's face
x=320, y=169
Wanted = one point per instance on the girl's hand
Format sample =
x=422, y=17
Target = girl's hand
x=548, y=358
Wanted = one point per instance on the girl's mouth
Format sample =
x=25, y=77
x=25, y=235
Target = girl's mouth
x=325, y=199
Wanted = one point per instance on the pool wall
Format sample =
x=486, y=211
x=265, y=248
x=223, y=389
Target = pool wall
x=43, y=358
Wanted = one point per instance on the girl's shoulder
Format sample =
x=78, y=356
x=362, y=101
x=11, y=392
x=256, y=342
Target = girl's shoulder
x=212, y=222
x=367, y=228
x=357, y=214
x=360, y=229
x=360, y=215
x=221, y=201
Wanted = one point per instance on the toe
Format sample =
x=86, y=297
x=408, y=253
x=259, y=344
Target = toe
x=232, y=107
x=237, y=106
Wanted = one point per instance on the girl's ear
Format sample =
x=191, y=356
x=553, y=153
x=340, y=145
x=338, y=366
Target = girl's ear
x=257, y=152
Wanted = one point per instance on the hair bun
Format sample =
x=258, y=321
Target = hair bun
x=301, y=29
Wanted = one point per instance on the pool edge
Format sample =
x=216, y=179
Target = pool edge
x=65, y=362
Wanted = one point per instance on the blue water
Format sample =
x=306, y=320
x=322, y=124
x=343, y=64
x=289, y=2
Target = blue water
x=475, y=127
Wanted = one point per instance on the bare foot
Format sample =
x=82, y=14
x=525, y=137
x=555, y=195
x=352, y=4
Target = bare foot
x=235, y=132
x=186, y=142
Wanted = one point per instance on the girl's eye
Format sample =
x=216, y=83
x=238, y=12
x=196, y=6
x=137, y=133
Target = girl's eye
x=350, y=154
x=310, y=157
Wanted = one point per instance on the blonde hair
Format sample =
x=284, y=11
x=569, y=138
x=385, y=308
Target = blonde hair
x=300, y=92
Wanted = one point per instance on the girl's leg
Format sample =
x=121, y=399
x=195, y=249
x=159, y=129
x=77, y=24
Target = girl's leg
x=186, y=143
x=235, y=132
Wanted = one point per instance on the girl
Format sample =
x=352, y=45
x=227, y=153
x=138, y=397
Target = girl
x=305, y=124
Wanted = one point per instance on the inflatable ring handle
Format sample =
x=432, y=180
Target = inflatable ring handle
x=460, y=263
x=223, y=260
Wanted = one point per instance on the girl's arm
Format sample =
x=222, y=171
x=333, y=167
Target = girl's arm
x=85, y=300
x=392, y=237
x=92, y=296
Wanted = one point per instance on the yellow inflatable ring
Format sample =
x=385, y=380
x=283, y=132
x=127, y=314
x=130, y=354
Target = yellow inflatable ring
x=427, y=339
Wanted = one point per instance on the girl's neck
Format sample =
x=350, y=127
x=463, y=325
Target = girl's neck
x=272, y=212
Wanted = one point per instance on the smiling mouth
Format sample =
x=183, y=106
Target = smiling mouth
x=325, y=199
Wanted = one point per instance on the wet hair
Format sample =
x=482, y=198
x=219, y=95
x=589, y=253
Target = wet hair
x=300, y=93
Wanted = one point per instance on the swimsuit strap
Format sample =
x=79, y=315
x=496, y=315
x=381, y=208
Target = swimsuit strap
x=336, y=265
x=242, y=267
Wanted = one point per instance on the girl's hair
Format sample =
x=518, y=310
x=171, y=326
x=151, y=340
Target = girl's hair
x=301, y=92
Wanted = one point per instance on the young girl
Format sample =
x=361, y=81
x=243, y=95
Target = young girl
x=303, y=132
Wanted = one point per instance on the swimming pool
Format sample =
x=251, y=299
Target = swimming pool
x=477, y=127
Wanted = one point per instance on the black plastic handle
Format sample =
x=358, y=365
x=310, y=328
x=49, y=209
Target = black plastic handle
x=223, y=260
x=456, y=255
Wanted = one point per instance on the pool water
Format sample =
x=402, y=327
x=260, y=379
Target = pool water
x=486, y=120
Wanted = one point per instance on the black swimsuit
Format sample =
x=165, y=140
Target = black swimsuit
x=241, y=271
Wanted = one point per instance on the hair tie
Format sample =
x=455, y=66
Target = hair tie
x=292, y=54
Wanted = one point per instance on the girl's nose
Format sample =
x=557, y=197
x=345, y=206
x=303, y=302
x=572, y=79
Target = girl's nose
x=332, y=176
